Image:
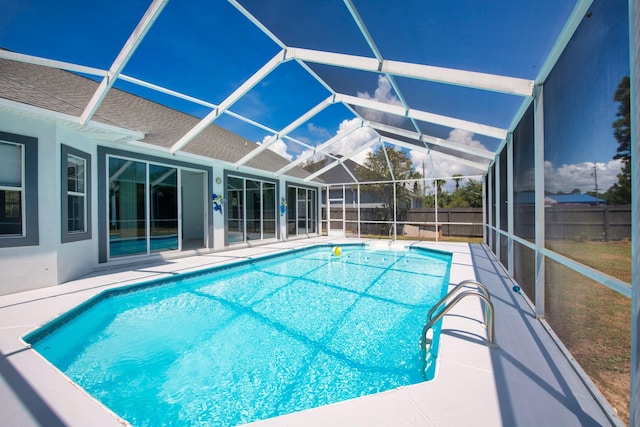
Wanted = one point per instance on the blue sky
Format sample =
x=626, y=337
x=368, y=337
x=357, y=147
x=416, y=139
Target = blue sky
x=579, y=101
x=206, y=49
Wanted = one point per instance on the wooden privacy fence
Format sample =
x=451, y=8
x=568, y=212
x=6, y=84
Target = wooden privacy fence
x=576, y=222
x=417, y=222
x=562, y=222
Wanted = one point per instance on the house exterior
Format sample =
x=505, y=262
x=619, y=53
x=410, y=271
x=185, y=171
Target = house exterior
x=528, y=198
x=75, y=198
x=576, y=199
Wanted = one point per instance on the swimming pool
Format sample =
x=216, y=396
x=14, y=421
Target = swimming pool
x=252, y=341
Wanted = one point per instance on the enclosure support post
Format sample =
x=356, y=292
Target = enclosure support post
x=344, y=210
x=634, y=44
x=395, y=212
x=436, y=206
x=538, y=150
x=358, y=205
x=509, y=202
x=497, y=184
x=485, y=203
x=490, y=208
x=328, y=209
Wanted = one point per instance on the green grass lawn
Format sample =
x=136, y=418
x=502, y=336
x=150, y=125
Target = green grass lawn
x=612, y=258
x=593, y=321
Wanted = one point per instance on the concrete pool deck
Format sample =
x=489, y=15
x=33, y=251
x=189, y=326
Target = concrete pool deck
x=524, y=381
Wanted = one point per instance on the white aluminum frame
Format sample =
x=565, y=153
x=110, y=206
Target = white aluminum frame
x=634, y=47
x=423, y=116
x=123, y=57
x=473, y=79
x=256, y=78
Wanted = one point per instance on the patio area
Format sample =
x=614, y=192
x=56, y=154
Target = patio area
x=525, y=381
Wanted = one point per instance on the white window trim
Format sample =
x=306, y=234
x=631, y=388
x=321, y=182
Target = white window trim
x=79, y=194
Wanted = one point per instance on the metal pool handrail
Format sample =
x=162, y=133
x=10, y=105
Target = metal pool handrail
x=482, y=288
x=489, y=322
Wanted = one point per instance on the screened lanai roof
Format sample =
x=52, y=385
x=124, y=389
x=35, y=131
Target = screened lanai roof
x=313, y=81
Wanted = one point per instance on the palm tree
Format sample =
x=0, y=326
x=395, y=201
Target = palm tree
x=439, y=183
x=457, y=178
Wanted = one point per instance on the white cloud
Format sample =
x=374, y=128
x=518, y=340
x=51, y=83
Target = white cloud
x=346, y=145
x=581, y=176
x=349, y=142
x=383, y=93
x=465, y=137
x=353, y=140
x=312, y=157
x=278, y=147
x=437, y=167
x=318, y=131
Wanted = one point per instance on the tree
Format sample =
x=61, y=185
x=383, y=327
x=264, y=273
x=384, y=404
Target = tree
x=439, y=184
x=376, y=168
x=620, y=192
x=622, y=126
x=468, y=195
x=314, y=164
x=457, y=178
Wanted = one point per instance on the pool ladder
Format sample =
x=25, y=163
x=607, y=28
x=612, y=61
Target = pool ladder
x=436, y=313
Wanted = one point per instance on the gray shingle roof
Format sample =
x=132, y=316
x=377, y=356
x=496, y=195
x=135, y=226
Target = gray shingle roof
x=338, y=175
x=68, y=93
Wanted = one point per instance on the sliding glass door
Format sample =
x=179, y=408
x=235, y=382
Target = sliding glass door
x=127, y=207
x=268, y=210
x=163, y=214
x=302, y=211
x=252, y=209
x=235, y=216
x=143, y=207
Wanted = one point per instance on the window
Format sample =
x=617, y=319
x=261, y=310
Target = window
x=18, y=190
x=11, y=189
x=75, y=195
x=76, y=200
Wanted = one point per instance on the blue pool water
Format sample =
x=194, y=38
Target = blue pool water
x=254, y=341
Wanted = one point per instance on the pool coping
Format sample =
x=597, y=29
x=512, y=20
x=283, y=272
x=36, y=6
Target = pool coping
x=473, y=380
